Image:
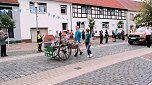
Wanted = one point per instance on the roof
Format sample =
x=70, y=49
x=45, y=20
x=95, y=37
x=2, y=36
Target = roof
x=103, y=3
x=131, y=5
x=9, y=2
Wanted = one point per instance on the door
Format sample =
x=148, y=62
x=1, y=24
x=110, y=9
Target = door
x=43, y=31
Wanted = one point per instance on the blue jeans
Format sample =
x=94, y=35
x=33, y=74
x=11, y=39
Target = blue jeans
x=88, y=48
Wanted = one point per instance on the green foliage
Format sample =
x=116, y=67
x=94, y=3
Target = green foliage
x=145, y=17
x=120, y=24
x=91, y=22
x=6, y=21
x=138, y=20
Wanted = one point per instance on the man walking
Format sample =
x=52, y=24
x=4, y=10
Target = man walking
x=148, y=35
x=77, y=34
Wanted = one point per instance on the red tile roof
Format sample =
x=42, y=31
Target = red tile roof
x=131, y=5
x=104, y=3
x=9, y=1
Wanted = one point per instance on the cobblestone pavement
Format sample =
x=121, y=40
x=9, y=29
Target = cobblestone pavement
x=29, y=48
x=18, y=68
x=135, y=71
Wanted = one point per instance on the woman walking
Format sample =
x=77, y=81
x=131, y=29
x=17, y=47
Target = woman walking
x=101, y=37
x=88, y=43
x=83, y=35
x=123, y=35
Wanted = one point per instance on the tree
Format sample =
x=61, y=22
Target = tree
x=120, y=24
x=145, y=17
x=138, y=20
x=6, y=21
x=91, y=24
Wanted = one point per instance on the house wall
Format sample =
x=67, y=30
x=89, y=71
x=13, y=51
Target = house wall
x=17, y=30
x=98, y=25
x=28, y=20
x=129, y=21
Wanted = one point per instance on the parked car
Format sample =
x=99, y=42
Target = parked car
x=138, y=36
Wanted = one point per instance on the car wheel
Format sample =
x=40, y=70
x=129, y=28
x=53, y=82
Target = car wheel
x=131, y=43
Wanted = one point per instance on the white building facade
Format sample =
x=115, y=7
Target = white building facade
x=55, y=16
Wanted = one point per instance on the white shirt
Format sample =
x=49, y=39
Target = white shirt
x=148, y=31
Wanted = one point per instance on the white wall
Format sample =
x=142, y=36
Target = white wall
x=28, y=20
x=16, y=17
x=98, y=24
x=130, y=22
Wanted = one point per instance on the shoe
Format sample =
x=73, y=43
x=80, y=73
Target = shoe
x=41, y=51
x=5, y=55
x=2, y=56
x=88, y=56
x=75, y=55
x=91, y=55
x=81, y=53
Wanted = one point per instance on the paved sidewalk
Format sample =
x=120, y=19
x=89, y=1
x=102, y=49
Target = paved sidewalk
x=63, y=73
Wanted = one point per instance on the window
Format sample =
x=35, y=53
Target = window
x=101, y=11
x=64, y=26
x=84, y=9
x=32, y=7
x=89, y=10
x=79, y=23
x=42, y=7
x=105, y=25
x=63, y=9
x=131, y=17
x=11, y=33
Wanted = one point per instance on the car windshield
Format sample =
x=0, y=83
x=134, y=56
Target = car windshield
x=141, y=29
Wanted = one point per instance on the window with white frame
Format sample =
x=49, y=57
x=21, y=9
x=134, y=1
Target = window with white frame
x=105, y=25
x=63, y=9
x=41, y=8
x=64, y=26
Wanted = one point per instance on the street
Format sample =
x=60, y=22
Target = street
x=134, y=71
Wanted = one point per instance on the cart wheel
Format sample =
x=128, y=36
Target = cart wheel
x=55, y=53
x=64, y=52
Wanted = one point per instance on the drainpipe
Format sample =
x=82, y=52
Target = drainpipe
x=127, y=20
x=71, y=15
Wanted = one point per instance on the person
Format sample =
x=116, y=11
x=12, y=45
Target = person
x=57, y=36
x=39, y=41
x=106, y=36
x=83, y=35
x=93, y=33
x=113, y=36
x=101, y=37
x=77, y=35
x=60, y=35
x=3, y=37
x=88, y=43
x=123, y=35
x=116, y=33
x=71, y=34
x=148, y=35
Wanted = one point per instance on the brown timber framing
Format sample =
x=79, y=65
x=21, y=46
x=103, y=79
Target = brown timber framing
x=98, y=12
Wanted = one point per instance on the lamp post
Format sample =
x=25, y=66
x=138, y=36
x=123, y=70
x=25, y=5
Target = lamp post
x=36, y=8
